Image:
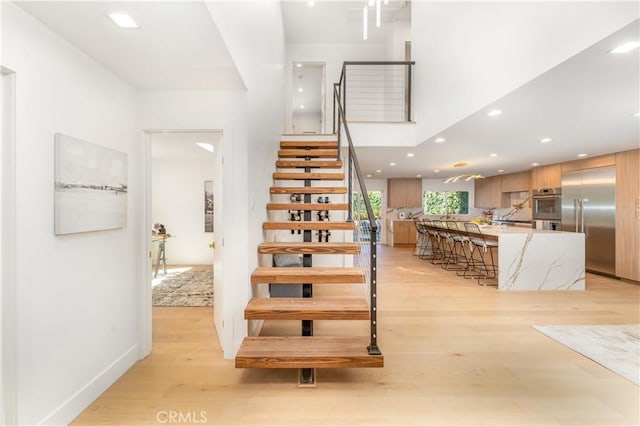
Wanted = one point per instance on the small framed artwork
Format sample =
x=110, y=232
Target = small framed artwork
x=90, y=185
x=208, y=206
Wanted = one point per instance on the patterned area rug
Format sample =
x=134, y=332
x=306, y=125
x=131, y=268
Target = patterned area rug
x=183, y=287
x=616, y=347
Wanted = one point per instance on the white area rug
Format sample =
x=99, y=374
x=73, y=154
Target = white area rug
x=616, y=347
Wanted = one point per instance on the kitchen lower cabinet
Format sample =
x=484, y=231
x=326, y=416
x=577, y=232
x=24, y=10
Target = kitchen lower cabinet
x=403, y=233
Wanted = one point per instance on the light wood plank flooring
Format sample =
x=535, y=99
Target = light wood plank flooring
x=455, y=354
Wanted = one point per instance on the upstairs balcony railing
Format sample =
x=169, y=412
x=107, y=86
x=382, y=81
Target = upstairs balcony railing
x=375, y=91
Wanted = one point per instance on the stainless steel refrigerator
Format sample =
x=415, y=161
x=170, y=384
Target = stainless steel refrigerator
x=589, y=206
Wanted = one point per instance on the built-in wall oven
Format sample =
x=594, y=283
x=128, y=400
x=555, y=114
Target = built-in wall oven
x=547, y=204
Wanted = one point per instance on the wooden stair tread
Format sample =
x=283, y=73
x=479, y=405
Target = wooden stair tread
x=311, y=153
x=307, y=206
x=310, y=225
x=312, y=275
x=309, y=248
x=298, y=308
x=307, y=176
x=313, y=164
x=306, y=352
x=308, y=144
x=308, y=190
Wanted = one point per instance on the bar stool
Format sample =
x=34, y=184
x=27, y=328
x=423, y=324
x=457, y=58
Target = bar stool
x=423, y=242
x=450, y=252
x=437, y=241
x=486, y=270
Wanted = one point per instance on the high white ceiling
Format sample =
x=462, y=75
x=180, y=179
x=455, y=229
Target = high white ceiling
x=331, y=21
x=586, y=105
x=177, y=46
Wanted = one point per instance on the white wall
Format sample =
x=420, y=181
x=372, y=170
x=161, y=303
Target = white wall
x=464, y=61
x=179, y=169
x=306, y=123
x=333, y=55
x=259, y=55
x=395, y=46
x=76, y=294
x=7, y=251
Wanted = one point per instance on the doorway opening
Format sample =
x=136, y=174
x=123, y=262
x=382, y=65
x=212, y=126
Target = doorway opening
x=308, y=98
x=184, y=208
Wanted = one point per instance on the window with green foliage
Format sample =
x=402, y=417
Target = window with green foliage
x=359, y=209
x=445, y=202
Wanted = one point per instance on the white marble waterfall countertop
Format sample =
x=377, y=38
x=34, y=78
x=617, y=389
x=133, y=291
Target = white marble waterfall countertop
x=540, y=260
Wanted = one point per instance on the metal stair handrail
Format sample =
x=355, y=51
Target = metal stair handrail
x=353, y=165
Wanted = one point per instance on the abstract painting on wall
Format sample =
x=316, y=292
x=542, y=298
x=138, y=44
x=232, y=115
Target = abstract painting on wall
x=90, y=186
x=208, y=206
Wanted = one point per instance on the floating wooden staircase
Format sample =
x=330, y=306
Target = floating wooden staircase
x=308, y=352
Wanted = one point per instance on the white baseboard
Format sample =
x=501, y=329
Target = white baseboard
x=73, y=406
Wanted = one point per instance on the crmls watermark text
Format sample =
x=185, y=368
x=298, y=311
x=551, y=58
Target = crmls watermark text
x=181, y=417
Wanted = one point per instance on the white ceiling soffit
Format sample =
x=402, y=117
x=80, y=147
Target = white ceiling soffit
x=331, y=21
x=177, y=46
x=470, y=53
x=586, y=105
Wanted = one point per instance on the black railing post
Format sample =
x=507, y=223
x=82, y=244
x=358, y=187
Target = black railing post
x=373, y=348
x=350, y=189
x=409, y=94
x=343, y=90
x=333, y=117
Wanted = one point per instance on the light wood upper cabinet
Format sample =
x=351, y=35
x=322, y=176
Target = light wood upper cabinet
x=516, y=182
x=546, y=177
x=405, y=193
x=488, y=193
x=628, y=214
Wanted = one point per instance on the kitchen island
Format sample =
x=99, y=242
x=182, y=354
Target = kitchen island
x=534, y=260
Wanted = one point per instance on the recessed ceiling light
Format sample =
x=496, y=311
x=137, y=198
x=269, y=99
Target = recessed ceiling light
x=418, y=175
x=436, y=171
x=624, y=48
x=637, y=114
x=582, y=155
x=378, y=171
x=410, y=154
x=122, y=20
x=300, y=89
x=368, y=175
x=500, y=170
x=535, y=164
x=493, y=155
x=301, y=106
x=205, y=146
x=545, y=140
x=392, y=164
x=440, y=140
x=311, y=3
x=298, y=65
x=494, y=112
